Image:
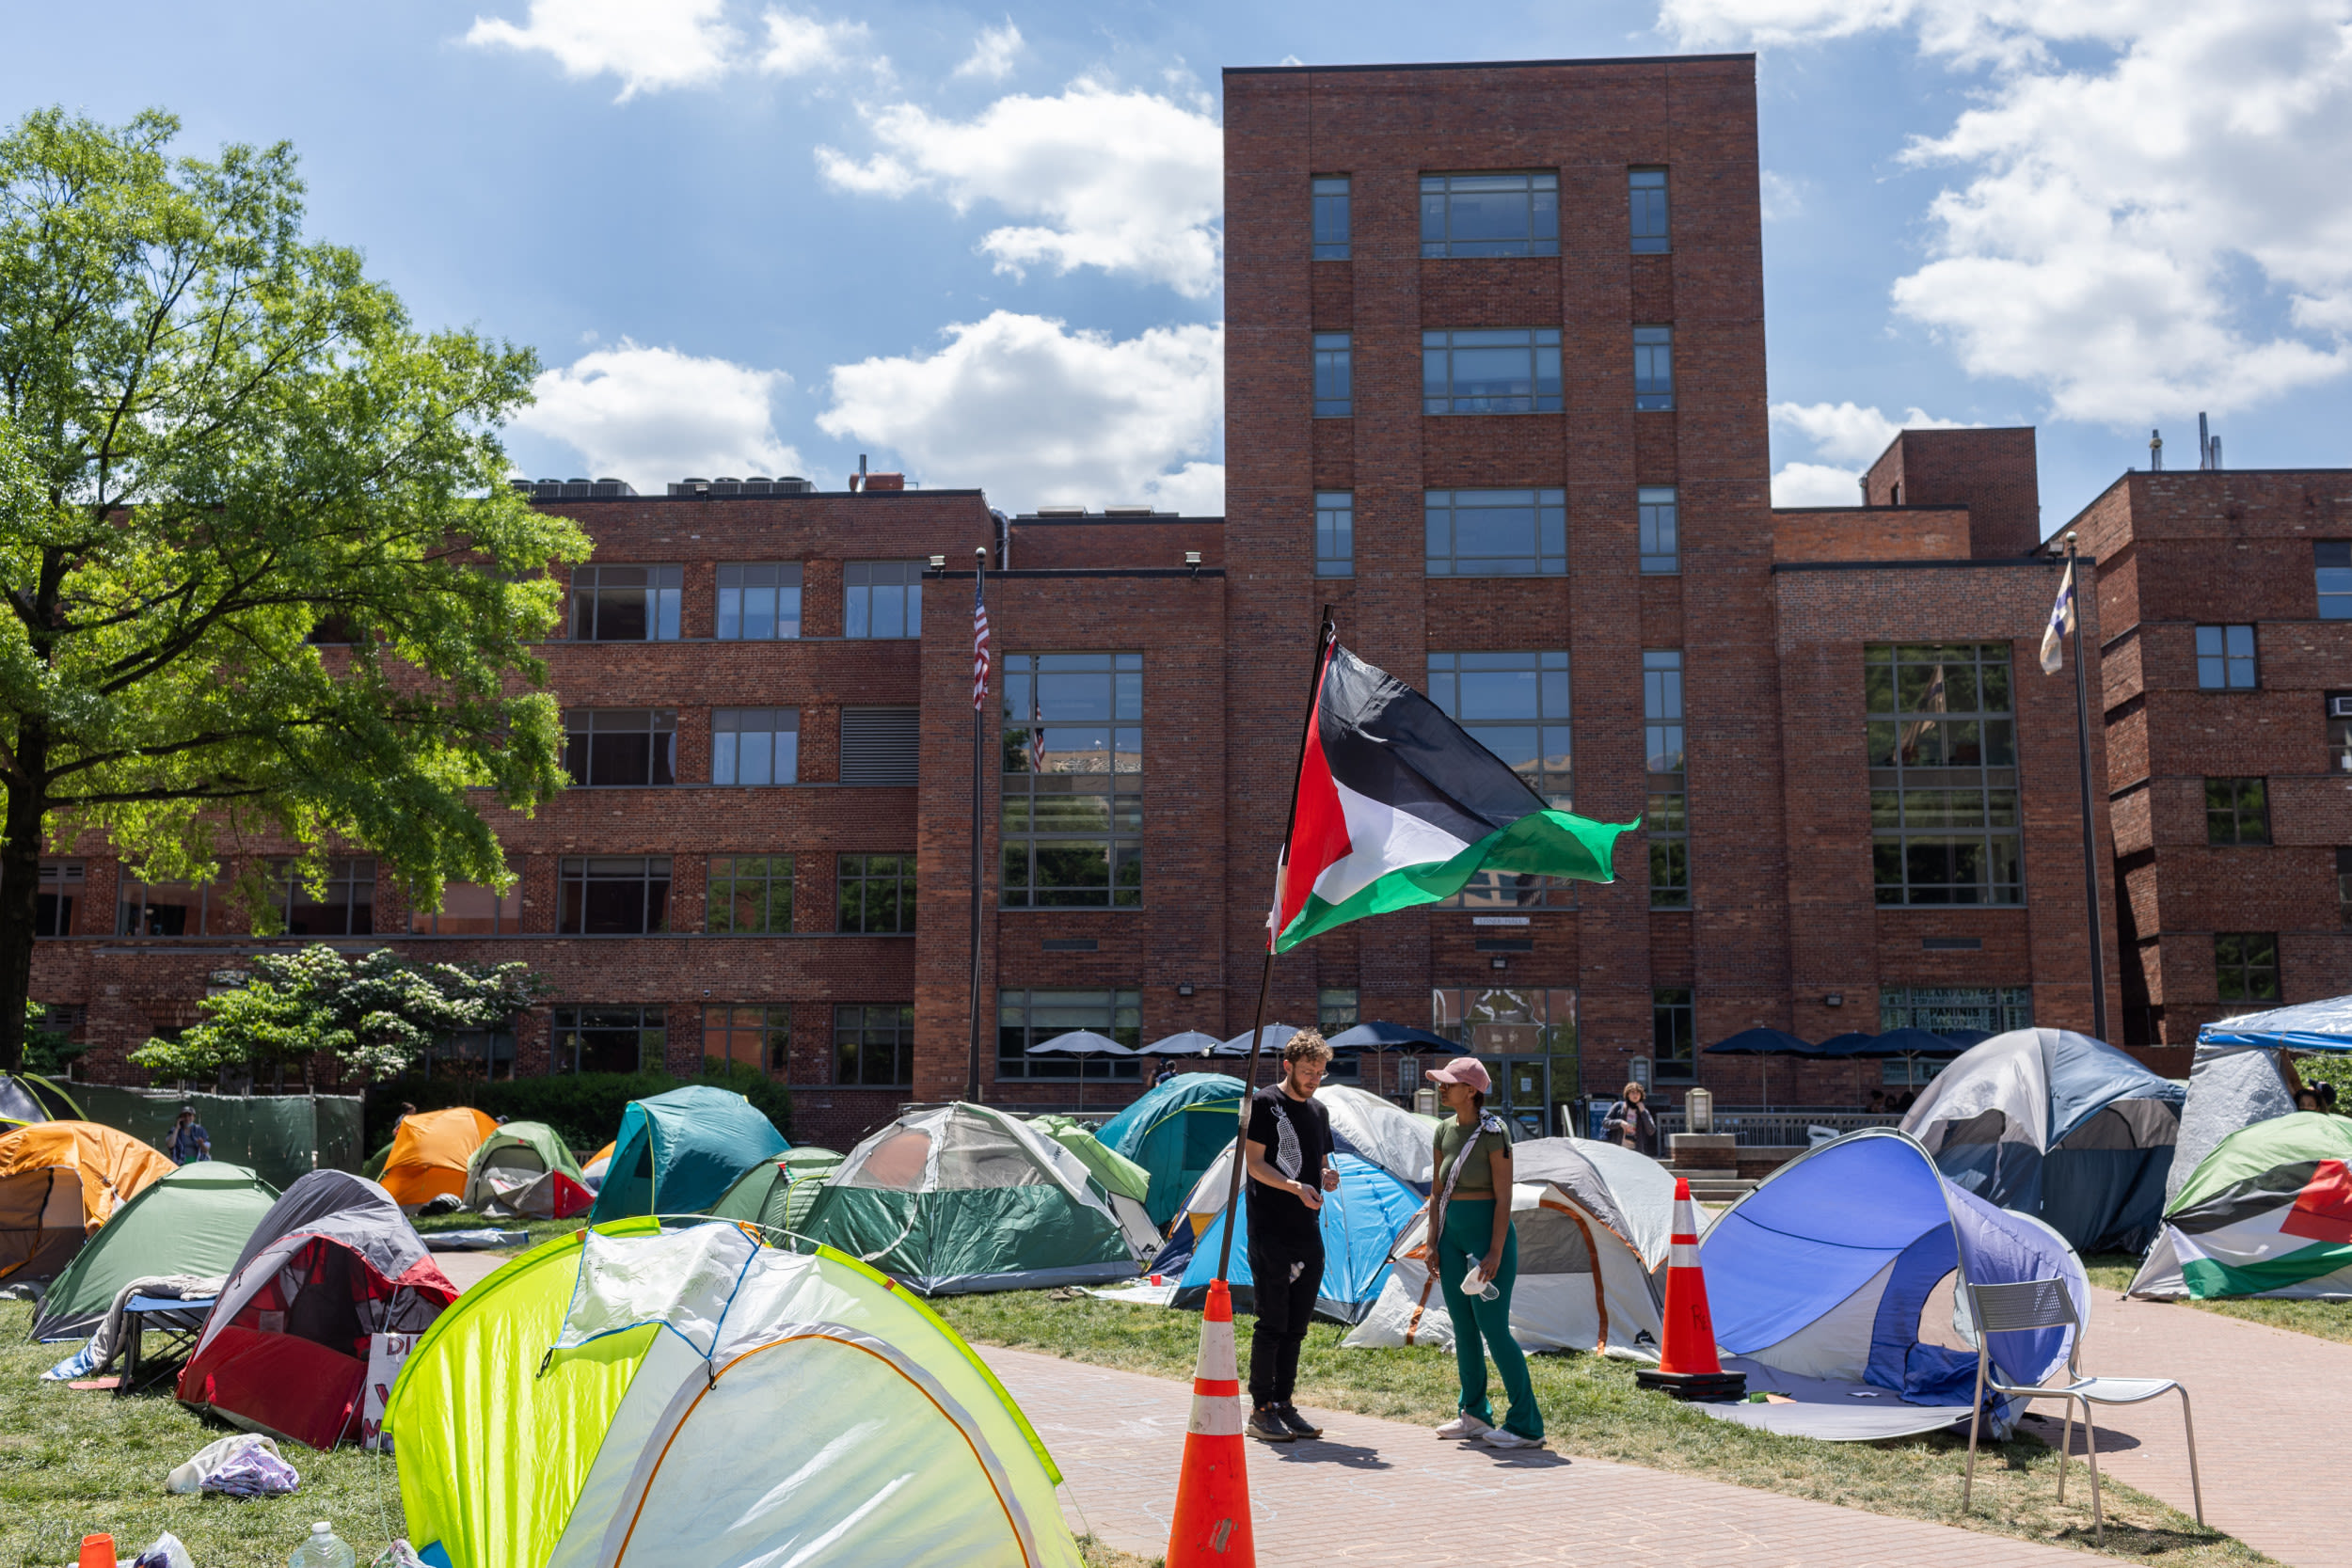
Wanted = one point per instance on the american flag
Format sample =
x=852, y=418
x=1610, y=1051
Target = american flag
x=979, y=646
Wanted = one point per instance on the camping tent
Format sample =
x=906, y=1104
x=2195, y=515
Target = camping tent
x=777, y=1193
x=60, y=1181
x=26, y=1098
x=1821, y=1280
x=2238, y=1075
x=1174, y=1132
x=678, y=1153
x=614, y=1397
x=2057, y=1125
x=523, y=1170
x=594, y=1170
x=1359, y=1222
x=194, y=1220
x=429, y=1152
x=965, y=1197
x=1594, y=1223
x=332, y=1266
x=2266, y=1214
x=1124, y=1184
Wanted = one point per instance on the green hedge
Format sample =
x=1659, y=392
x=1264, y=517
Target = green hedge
x=584, y=1108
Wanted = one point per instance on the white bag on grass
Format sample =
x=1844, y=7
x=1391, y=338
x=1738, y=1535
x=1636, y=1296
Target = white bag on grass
x=210, y=1458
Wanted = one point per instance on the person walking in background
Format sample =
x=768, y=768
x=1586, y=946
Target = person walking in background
x=1167, y=1071
x=1478, y=1259
x=1287, y=1157
x=1629, y=1122
x=188, y=1141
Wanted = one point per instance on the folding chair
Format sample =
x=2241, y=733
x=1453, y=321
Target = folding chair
x=2037, y=1303
x=181, y=1321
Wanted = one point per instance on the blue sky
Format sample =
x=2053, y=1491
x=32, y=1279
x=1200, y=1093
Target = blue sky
x=751, y=237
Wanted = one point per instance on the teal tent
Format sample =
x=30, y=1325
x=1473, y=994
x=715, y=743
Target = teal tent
x=1175, y=1132
x=678, y=1153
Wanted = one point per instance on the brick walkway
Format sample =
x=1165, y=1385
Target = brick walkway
x=1373, y=1493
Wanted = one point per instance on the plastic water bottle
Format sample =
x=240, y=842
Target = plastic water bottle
x=324, y=1549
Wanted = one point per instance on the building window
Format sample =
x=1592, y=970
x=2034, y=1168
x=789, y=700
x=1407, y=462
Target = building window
x=1666, y=819
x=1490, y=214
x=1516, y=705
x=1646, y=191
x=626, y=604
x=881, y=598
x=750, y=895
x=1653, y=367
x=2333, y=559
x=621, y=747
x=343, y=906
x=1991, y=1010
x=471, y=909
x=2339, y=732
x=1334, y=377
x=60, y=894
x=754, y=745
x=1336, y=1013
x=2238, y=811
x=164, y=908
x=1661, y=534
x=1674, y=1036
x=2344, y=886
x=759, y=1037
x=1073, y=834
x=1027, y=1018
x=882, y=746
x=1943, y=757
x=612, y=895
x=608, y=1039
x=2246, y=966
x=1335, y=534
x=1332, y=225
x=2225, y=658
x=468, y=1055
x=1496, y=533
x=873, y=1047
x=876, y=894
x=1502, y=371
x=759, y=603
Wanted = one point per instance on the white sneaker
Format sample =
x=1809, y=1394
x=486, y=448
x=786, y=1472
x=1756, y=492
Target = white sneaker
x=1503, y=1437
x=1464, y=1425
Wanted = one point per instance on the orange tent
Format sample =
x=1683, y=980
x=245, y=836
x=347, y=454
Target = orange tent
x=60, y=1181
x=430, y=1150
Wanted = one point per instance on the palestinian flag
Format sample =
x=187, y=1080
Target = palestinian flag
x=2268, y=1212
x=1398, y=806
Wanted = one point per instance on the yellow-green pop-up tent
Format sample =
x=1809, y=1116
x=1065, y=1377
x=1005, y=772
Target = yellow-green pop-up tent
x=651, y=1393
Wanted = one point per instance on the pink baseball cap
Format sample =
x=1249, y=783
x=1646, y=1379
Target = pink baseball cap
x=1464, y=1069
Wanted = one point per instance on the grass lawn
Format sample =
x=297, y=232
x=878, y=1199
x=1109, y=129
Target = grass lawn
x=1591, y=1406
x=2325, y=1319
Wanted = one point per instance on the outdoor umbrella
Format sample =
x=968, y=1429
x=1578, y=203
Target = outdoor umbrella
x=1908, y=1043
x=1276, y=1036
x=1381, y=1038
x=1081, y=1043
x=1761, y=1041
x=1190, y=1042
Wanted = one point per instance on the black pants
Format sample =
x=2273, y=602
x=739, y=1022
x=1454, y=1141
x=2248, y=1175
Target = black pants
x=1285, y=1281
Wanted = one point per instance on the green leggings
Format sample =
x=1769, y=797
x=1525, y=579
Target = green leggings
x=1483, y=1328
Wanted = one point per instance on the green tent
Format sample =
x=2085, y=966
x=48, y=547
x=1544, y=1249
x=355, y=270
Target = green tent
x=777, y=1193
x=1175, y=1132
x=965, y=1197
x=26, y=1098
x=1113, y=1170
x=194, y=1220
x=2263, y=1214
x=523, y=1170
x=678, y=1153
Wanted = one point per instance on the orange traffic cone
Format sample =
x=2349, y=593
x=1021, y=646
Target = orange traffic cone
x=1211, y=1523
x=1688, y=1368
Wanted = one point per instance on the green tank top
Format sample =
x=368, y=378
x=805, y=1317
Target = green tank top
x=1478, y=1180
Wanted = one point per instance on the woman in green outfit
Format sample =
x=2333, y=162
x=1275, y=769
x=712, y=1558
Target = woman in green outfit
x=1470, y=1222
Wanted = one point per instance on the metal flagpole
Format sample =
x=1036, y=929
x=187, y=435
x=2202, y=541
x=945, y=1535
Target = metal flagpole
x=1325, y=636
x=979, y=729
x=2091, y=841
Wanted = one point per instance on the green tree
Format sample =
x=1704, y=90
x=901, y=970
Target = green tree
x=265, y=582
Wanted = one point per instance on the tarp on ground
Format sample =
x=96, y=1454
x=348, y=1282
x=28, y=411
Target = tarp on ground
x=1359, y=1222
x=279, y=1137
x=641, y=1397
x=522, y=1170
x=678, y=1153
x=429, y=1153
x=194, y=1220
x=26, y=1098
x=2267, y=1213
x=60, y=1181
x=776, y=1193
x=1173, y=1131
x=2056, y=1125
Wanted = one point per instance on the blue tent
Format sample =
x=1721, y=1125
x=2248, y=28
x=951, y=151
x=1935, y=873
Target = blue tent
x=2059, y=1126
x=2235, y=1079
x=2305, y=1026
x=1359, y=1222
x=1819, y=1277
x=1175, y=1132
x=678, y=1153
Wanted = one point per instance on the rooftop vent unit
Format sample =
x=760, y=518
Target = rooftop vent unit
x=794, y=484
x=614, y=488
x=578, y=487
x=690, y=487
x=726, y=485
x=878, y=481
x=1127, y=512
x=1062, y=512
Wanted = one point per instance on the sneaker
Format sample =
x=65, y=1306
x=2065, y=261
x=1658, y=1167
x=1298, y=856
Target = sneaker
x=1464, y=1425
x=1503, y=1437
x=1297, y=1423
x=1267, y=1425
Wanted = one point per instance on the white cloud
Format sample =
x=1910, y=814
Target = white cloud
x=1126, y=182
x=1815, y=485
x=2163, y=228
x=1039, y=415
x=992, y=53
x=654, y=414
x=798, y=46
x=1846, y=437
x=649, y=44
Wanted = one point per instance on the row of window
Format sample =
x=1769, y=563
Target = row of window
x=1501, y=212
x=756, y=602
x=873, y=1043
x=637, y=748
x=1486, y=533
x=1491, y=371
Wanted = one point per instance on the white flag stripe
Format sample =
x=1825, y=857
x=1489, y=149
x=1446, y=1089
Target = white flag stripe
x=1384, y=840
x=2061, y=624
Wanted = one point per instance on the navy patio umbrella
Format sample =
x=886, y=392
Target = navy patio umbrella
x=1083, y=1045
x=1189, y=1042
x=1763, y=1041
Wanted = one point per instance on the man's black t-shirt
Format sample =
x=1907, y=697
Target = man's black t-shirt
x=1297, y=1135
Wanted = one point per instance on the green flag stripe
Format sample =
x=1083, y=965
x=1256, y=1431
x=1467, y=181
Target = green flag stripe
x=2207, y=1279
x=1550, y=843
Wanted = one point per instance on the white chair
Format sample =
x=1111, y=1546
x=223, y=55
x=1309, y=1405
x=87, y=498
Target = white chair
x=2039, y=1304
x=1820, y=1136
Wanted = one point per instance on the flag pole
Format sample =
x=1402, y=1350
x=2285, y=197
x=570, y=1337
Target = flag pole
x=980, y=738
x=1325, y=636
x=2090, y=840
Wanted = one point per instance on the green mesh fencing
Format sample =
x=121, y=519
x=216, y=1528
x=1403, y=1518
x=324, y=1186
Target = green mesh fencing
x=278, y=1136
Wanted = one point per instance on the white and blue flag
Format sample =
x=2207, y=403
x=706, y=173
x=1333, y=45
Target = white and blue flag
x=2061, y=624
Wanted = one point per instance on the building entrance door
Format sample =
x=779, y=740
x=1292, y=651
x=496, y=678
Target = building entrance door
x=1526, y=1040
x=1522, y=1093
